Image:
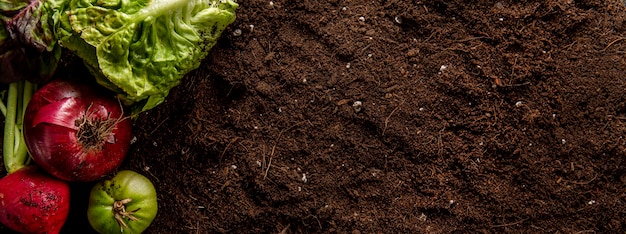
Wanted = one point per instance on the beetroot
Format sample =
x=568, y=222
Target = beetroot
x=32, y=201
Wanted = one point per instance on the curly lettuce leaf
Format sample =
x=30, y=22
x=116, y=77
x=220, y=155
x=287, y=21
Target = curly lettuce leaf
x=12, y=7
x=28, y=48
x=33, y=27
x=141, y=49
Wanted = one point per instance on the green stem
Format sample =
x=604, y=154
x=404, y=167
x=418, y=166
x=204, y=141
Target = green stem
x=14, y=150
x=20, y=104
x=9, y=128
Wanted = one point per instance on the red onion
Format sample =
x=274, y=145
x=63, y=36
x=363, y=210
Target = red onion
x=75, y=131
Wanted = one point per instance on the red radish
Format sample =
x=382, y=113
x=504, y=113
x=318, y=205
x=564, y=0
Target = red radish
x=32, y=201
x=76, y=131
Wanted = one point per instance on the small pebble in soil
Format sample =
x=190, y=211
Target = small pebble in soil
x=237, y=32
x=398, y=19
x=442, y=68
x=357, y=106
x=422, y=217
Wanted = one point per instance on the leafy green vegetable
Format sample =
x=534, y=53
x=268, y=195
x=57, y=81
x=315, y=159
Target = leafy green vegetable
x=141, y=49
x=28, y=48
x=32, y=26
x=11, y=7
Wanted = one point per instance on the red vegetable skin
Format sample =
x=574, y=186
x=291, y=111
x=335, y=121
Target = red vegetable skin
x=75, y=131
x=32, y=201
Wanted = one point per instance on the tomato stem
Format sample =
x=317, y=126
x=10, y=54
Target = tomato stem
x=119, y=210
x=14, y=149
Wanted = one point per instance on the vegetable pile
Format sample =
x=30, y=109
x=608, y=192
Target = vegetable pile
x=62, y=130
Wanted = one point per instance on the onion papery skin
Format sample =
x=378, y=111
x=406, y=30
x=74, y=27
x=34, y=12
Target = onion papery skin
x=52, y=124
x=32, y=201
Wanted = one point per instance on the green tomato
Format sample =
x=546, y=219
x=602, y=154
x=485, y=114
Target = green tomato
x=127, y=203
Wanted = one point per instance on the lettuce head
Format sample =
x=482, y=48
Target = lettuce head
x=141, y=48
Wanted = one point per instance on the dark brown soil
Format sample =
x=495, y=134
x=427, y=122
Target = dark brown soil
x=483, y=117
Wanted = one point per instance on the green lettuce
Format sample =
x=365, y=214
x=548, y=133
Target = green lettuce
x=141, y=48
